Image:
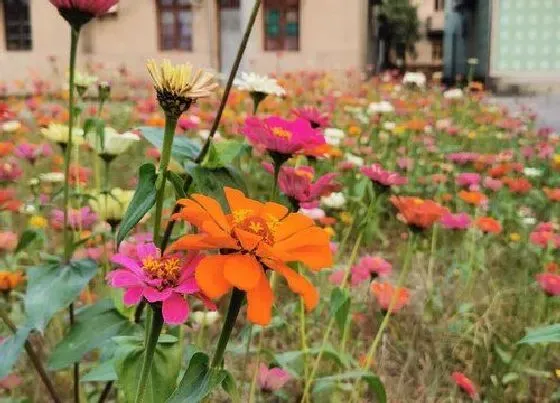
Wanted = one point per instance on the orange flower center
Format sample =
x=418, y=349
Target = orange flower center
x=166, y=269
x=282, y=133
x=258, y=226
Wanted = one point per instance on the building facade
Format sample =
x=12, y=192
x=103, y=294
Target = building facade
x=429, y=49
x=289, y=35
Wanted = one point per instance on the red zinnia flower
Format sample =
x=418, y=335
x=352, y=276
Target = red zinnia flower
x=417, y=212
x=465, y=384
x=550, y=283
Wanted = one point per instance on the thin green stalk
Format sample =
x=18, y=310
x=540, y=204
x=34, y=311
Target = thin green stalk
x=330, y=325
x=431, y=261
x=400, y=281
x=277, y=168
x=169, y=133
x=151, y=343
x=35, y=360
x=235, y=302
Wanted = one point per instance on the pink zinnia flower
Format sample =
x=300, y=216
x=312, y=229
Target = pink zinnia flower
x=164, y=279
x=272, y=379
x=93, y=7
x=467, y=179
x=455, y=221
x=8, y=240
x=544, y=235
x=31, y=152
x=10, y=171
x=314, y=116
x=550, y=283
x=336, y=277
x=280, y=136
x=492, y=184
x=313, y=213
x=368, y=268
x=384, y=178
x=297, y=184
x=462, y=158
x=78, y=219
x=129, y=246
x=465, y=384
x=405, y=163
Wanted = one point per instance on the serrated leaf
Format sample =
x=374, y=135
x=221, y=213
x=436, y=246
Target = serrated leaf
x=340, y=306
x=95, y=325
x=198, y=381
x=51, y=288
x=163, y=375
x=143, y=200
x=372, y=380
x=25, y=240
x=183, y=148
x=542, y=335
x=211, y=182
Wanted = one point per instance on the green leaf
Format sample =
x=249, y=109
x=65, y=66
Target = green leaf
x=229, y=385
x=224, y=153
x=211, y=182
x=340, y=306
x=293, y=360
x=183, y=149
x=542, y=335
x=51, y=288
x=163, y=375
x=104, y=372
x=178, y=184
x=198, y=381
x=143, y=200
x=373, y=381
x=95, y=325
x=10, y=349
x=25, y=240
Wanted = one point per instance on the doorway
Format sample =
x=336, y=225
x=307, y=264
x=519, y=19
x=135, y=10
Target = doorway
x=230, y=32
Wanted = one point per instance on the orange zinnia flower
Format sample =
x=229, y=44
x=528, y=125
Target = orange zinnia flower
x=474, y=198
x=418, y=213
x=552, y=194
x=6, y=148
x=253, y=238
x=384, y=292
x=488, y=224
x=10, y=280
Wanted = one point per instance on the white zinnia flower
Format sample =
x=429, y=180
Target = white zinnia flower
x=82, y=79
x=354, y=160
x=389, y=126
x=333, y=136
x=52, y=177
x=455, y=93
x=252, y=82
x=114, y=144
x=10, y=126
x=313, y=213
x=205, y=318
x=416, y=78
x=335, y=200
x=532, y=172
x=60, y=133
x=380, y=107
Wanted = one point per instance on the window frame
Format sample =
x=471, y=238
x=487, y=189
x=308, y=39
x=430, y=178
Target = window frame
x=175, y=8
x=281, y=4
x=22, y=39
x=437, y=44
x=439, y=5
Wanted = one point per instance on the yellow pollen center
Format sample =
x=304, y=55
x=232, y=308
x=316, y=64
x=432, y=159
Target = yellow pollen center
x=166, y=269
x=279, y=132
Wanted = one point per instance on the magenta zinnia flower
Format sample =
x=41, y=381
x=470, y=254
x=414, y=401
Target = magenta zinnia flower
x=455, y=221
x=78, y=219
x=468, y=179
x=31, y=152
x=297, y=184
x=280, y=136
x=314, y=116
x=369, y=268
x=382, y=177
x=164, y=279
x=272, y=379
x=93, y=7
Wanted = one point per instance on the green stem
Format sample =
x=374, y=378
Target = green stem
x=150, y=349
x=237, y=297
x=431, y=262
x=277, y=168
x=169, y=133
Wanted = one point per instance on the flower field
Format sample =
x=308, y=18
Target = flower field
x=313, y=237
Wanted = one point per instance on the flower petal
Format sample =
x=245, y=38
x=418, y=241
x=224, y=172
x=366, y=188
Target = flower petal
x=259, y=302
x=123, y=278
x=133, y=296
x=147, y=249
x=188, y=286
x=209, y=275
x=128, y=263
x=310, y=246
x=175, y=310
x=242, y=271
x=293, y=223
x=213, y=208
x=237, y=201
x=154, y=295
x=298, y=284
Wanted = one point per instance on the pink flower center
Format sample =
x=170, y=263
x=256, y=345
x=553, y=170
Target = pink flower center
x=167, y=269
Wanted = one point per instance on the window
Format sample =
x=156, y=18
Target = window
x=281, y=25
x=17, y=24
x=437, y=50
x=439, y=5
x=174, y=24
